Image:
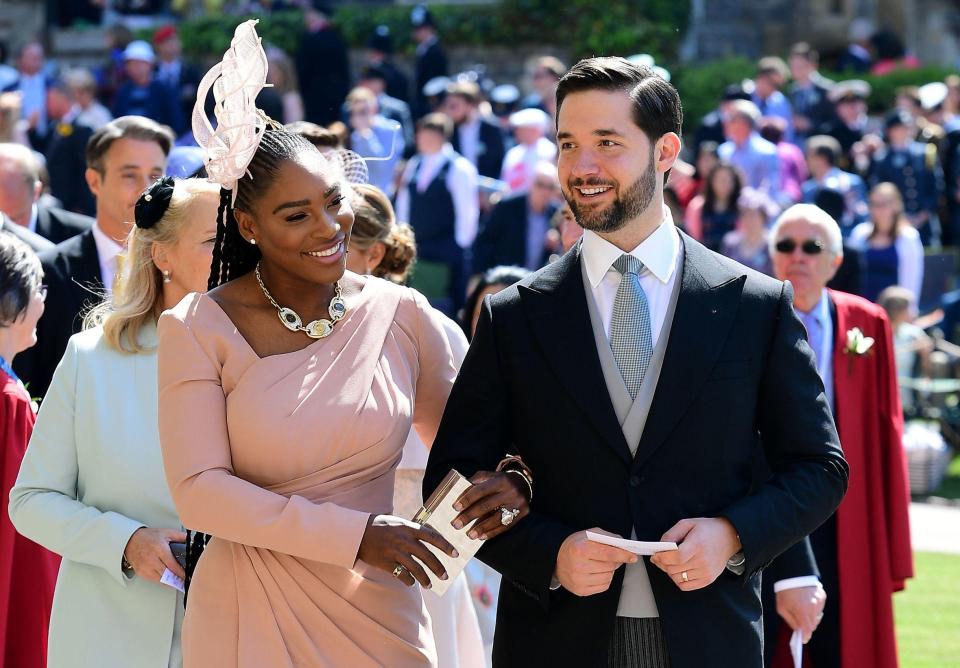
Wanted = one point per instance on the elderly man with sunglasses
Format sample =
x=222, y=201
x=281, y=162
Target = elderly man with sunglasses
x=842, y=576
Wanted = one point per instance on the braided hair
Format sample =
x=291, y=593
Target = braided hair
x=233, y=256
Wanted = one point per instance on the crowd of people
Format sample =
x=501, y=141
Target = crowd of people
x=112, y=214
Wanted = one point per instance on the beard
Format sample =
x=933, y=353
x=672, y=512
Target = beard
x=628, y=205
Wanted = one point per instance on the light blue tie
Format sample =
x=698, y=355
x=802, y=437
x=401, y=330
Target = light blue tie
x=631, y=336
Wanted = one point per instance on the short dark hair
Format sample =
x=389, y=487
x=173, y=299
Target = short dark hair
x=504, y=275
x=826, y=147
x=656, y=104
x=126, y=127
x=20, y=274
x=437, y=122
x=805, y=51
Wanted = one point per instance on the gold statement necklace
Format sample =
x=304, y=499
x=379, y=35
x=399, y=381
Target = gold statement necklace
x=318, y=329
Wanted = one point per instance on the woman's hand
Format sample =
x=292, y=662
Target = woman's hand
x=391, y=541
x=148, y=552
x=490, y=493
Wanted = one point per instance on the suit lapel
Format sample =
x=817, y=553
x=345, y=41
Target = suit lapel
x=706, y=307
x=556, y=308
x=85, y=263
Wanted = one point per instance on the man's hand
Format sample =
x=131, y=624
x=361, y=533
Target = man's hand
x=802, y=608
x=706, y=543
x=585, y=567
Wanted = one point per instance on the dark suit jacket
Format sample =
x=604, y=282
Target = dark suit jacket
x=490, y=152
x=325, y=87
x=502, y=238
x=72, y=275
x=58, y=225
x=160, y=104
x=736, y=367
x=432, y=64
x=32, y=239
x=65, y=151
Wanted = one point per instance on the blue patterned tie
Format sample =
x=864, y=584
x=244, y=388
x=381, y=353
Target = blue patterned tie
x=631, y=336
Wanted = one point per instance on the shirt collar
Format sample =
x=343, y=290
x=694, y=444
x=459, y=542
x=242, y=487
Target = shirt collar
x=658, y=252
x=107, y=248
x=821, y=310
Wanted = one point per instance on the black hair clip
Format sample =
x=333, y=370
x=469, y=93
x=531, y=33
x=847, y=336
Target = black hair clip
x=153, y=203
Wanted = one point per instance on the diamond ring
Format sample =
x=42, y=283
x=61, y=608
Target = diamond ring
x=398, y=571
x=508, y=516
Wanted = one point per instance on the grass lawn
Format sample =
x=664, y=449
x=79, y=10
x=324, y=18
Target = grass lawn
x=928, y=613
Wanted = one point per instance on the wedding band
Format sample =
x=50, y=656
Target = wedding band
x=508, y=516
x=685, y=577
x=398, y=571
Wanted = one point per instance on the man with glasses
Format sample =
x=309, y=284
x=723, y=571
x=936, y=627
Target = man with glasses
x=515, y=232
x=861, y=554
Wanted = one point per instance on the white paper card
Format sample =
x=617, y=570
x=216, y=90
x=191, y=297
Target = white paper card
x=171, y=580
x=796, y=648
x=440, y=519
x=643, y=548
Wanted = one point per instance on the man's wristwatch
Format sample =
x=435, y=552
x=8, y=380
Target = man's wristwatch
x=736, y=562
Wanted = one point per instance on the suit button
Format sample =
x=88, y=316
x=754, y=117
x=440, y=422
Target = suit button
x=634, y=481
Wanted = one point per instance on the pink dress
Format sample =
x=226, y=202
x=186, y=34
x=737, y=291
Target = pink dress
x=282, y=459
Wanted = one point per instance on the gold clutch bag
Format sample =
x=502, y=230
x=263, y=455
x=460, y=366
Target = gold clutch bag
x=438, y=513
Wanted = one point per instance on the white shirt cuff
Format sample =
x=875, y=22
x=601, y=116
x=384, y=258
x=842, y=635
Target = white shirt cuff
x=796, y=583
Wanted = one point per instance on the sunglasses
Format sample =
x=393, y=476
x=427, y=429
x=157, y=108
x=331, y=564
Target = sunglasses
x=809, y=247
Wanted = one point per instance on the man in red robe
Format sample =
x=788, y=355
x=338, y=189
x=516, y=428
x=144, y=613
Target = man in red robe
x=862, y=554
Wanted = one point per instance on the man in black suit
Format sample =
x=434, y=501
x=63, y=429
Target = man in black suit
x=515, y=231
x=431, y=58
x=20, y=199
x=323, y=66
x=65, y=150
x=638, y=377
x=474, y=137
x=180, y=76
x=123, y=158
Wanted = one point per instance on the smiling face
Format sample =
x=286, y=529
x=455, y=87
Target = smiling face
x=302, y=222
x=607, y=170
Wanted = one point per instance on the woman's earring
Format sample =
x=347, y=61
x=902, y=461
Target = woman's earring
x=253, y=241
x=166, y=276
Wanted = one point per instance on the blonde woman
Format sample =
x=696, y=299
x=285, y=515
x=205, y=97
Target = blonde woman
x=91, y=487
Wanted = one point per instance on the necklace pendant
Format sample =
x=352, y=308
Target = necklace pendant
x=290, y=319
x=337, y=308
x=319, y=329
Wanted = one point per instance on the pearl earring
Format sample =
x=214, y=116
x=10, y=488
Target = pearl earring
x=253, y=241
x=166, y=276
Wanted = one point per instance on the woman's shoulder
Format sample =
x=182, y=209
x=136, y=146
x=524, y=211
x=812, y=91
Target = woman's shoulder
x=861, y=231
x=908, y=232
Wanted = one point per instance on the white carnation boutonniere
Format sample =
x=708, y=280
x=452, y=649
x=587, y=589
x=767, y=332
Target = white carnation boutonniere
x=858, y=345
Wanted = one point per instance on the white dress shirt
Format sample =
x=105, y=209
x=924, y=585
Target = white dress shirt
x=107, y=252
x=461, y=182
x=660, y=255
x=468, y=135
x=520, y=163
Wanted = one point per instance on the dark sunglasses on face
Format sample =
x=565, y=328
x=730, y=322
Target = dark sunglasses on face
x=809, y=247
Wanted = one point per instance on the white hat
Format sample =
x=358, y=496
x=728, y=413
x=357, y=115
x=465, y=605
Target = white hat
x=932, y=95
x=532, y=117
x=139, y=50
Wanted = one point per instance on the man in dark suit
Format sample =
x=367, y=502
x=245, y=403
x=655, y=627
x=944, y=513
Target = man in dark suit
x=431, y=58
x=143, y=94
x=324, y=88
x=474, y=137
x=515, y=231
x=123, y=158
x=65, y=150
x=180, y=76
x=638, y=377
x=20, y=198
x=809, y=93
x=37, y=243
x=31, y=83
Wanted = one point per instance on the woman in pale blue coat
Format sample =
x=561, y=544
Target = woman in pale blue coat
x=91, y=486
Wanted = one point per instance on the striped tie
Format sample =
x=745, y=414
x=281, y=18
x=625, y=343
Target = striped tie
x=631, y=337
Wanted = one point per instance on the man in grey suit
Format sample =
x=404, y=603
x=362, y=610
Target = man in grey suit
x=639, y=377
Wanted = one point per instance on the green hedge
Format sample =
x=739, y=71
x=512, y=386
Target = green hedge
x=582, y=27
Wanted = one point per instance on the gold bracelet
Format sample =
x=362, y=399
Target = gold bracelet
x=527, y=480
